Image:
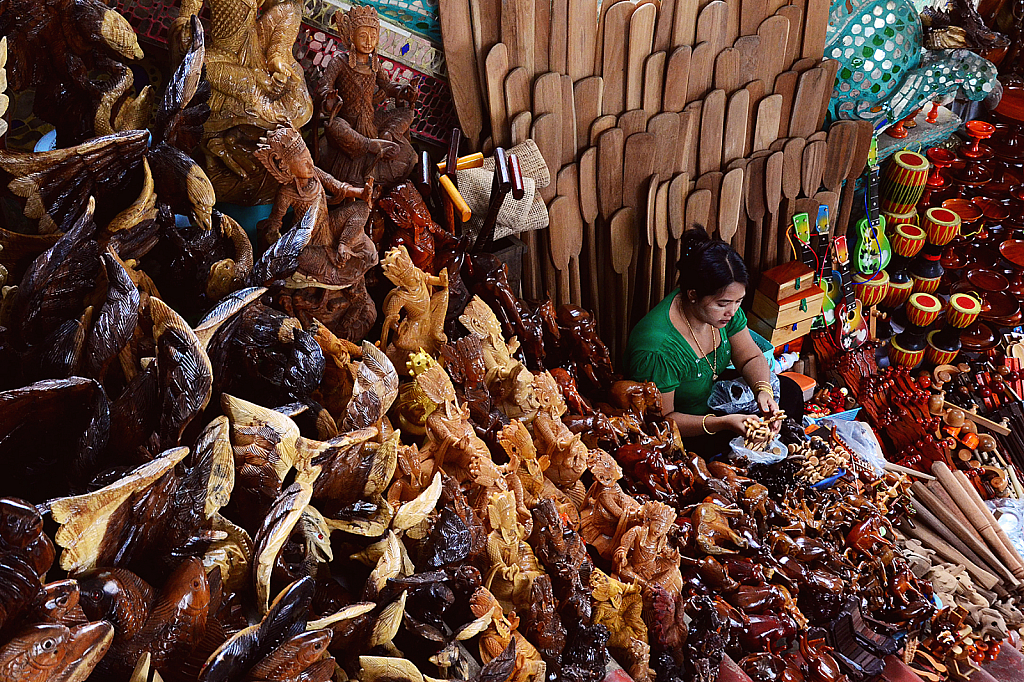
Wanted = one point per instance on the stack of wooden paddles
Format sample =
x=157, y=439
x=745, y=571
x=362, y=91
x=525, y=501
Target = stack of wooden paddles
x=653, y=117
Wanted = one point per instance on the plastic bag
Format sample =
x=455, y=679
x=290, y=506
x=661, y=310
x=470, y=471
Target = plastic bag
x=1010, y=515
x=861, y=440
x=776, y=451
x=734, y=396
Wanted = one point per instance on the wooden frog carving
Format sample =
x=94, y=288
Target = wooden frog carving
x=607, y=510
x=424, y=300
x=619, y=607
x=530, y=667
x=363, y=138
x=257, y=86
x=329, y=284
x=513, y=565
x=644, y=555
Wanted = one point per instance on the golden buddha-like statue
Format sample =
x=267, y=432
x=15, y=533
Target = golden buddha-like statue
x=361, y=137
x=257, y=85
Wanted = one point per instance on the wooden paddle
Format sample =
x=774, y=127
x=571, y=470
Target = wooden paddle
x=622, y=245
x=774, y=33
x=862, y=146
x=587, y=96
x=757, y=92
x=712, y=126
x=766, y=128
x=654, y=83
x=831, y=67
x=756, y=207
x=729, y=202
x=638, y=165
x=634, y=121
x=795, y=14
x=677, y=79
x=518, y=28
x=739, y=240
x=735, y=126
x=643, y=283
x=785, y=85
x=641, y=40
x=520, y=128
x=663, y=27
x=582, y=38
x=610, y=146
x=547, y=133
x=463, y=77
x=842, y=138
x=601, y=124
x=815, y=26
x=813, y=166
x=713, y=25
x=684, y=24
x=698, y=208
x=772, y=198
x=661, y=243
x=589, y=213
x=691, y=143
x=807, y=103
x=486, y=24
x=557, y=48
x=517, y=92
x=616, y=39
x=750, y=61
x=728, y=74
x=547, y=94
x=753, y=13
x=559, y=216
x=497, y=70
x=665, y=128
x=542, y=40
x=570, y=235
x=713, y=183
x=792, y=163
x=702, y=60
x=568, y=122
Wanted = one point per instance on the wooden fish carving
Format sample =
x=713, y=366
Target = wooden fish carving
x=55, y=653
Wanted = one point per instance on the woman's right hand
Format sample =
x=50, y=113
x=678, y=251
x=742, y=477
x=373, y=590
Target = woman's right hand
x=731, y=422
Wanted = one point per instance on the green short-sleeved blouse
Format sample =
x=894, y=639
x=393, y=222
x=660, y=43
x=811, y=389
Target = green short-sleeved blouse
x=658, y=352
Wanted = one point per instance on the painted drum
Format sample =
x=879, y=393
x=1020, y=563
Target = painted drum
x=871, y=289
x=940, y=356
x=941, y=225
x=963, y=310
x=923, y=309
x=898, y=293
x=907, y=240
x=903, y=181
x=902, y=357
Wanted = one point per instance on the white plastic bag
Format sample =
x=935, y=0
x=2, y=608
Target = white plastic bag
x=776, y=451
x=734, y=396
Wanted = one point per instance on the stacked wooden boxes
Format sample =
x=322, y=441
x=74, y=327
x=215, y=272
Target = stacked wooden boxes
x=786, y=302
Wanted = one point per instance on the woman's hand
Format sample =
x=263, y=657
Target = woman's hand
x=766, y=403
x=731, y=422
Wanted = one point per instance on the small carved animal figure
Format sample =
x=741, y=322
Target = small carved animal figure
x=711, y=524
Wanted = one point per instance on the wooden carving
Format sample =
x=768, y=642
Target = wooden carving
x=500, y=631
x=362, y=138
x=619, y=607
x=329, y=284
x=424, y=300
x=566, y=453
x=644, y=554
x=513, y=565
x=607, y=510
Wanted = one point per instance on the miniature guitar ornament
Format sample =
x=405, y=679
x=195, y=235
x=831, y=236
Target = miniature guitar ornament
x=851, y=330
x=825, y=276
x=871, y=249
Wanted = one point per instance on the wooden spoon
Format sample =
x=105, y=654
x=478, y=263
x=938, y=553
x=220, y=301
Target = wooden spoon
x=461, y=57
x=702, y=67
x=842, y=137
x=582, y=38
x=633, y=121
x=665, y=128
x=713, y=25
x=774, y=32
x=497, y=70
x=831, y=67
x=795, y=14
x=588, y=94
x=542, y=39
x=791, y=166
x=571, y=235
x=756, y=207
x=691, y=143
x=547, y=133
x=547, y=94
x=517, y=92
x=654, y=83
x=677, y=79
x=589, y=213
x=684, y=25
x=520, y=128
x=809, y=92
x=661, y=244
x=518, y=27
x=641, y=40
x=601, y=124
x=753, y=13
x=815, y=27
x=861, y=148
x=735, y=126
x=756, y=89
x=643, y=283
x=773, y=197
x=814, y=165
x=622, y=245
x=663, y=27
x=559, y=35
x=486, y=24
x=610, y=146
x=698, y=208
x=766, y=129
x=713, y=183
x=785, y=85
x=728, y=74
x=712, y=126
x=638, y=165
x=616, y=38
x=739, y=240
x=559, y=211
x=729, y=202
x=568, y=122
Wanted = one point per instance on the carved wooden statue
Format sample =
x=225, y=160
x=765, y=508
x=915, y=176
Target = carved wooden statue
x=529, y=480
x=619, y=607
x=424, y=300
x=361, y=138
x=329, y=284
x=607, y=510
x=644, y=554
x=530, y=666
x=513, y=565
x=257, y=86
x=566, y=453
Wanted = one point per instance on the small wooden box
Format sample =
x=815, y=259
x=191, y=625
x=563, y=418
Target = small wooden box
x=779, y=336
x=785, y=280
x=789, y=311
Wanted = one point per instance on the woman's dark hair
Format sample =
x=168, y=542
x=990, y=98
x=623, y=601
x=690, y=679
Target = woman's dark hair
x=708, y=265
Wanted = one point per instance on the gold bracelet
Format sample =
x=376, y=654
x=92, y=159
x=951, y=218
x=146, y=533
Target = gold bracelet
x=704, y=423
x=763, y=387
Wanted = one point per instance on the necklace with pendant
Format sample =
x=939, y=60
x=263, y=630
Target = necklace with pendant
x=714, y=367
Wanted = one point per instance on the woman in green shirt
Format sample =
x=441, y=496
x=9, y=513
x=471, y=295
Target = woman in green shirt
x=688, y=340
